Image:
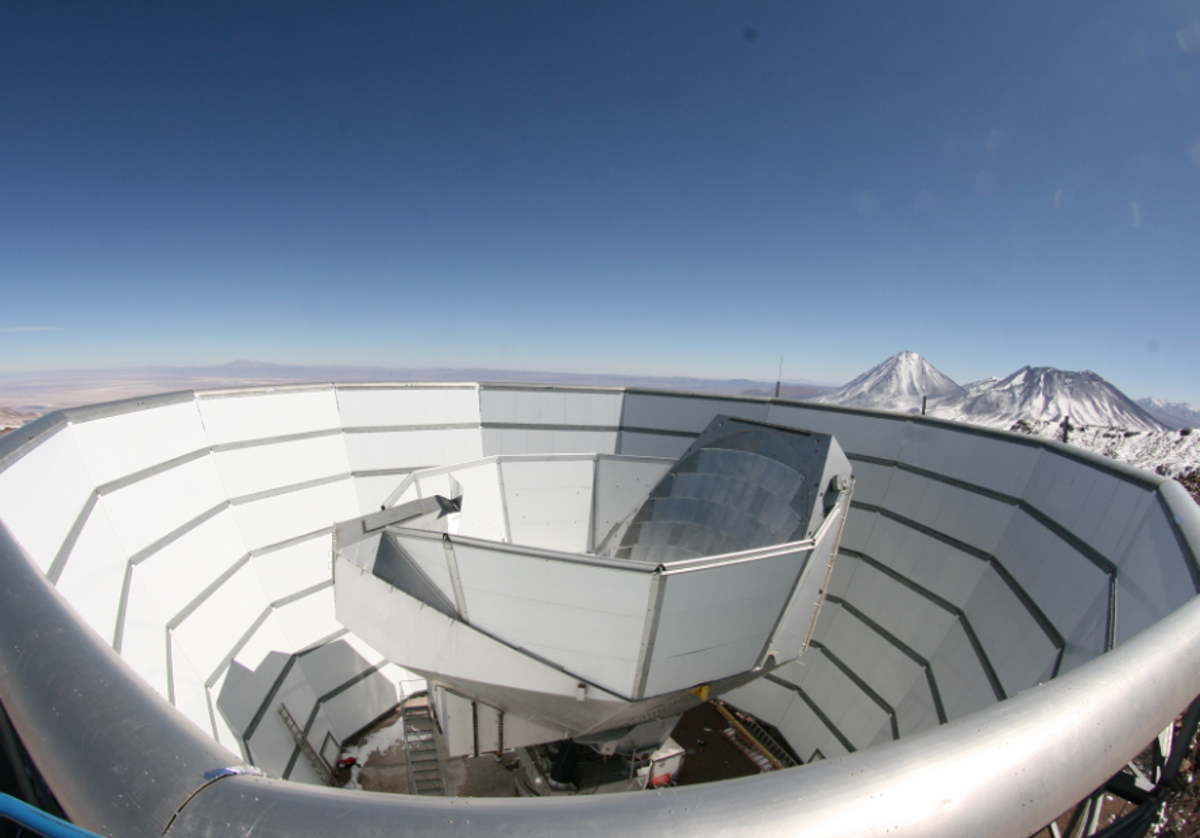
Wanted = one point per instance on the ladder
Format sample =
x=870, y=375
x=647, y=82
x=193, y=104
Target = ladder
x=756, y=738
x=318, y=764
x=421, y=749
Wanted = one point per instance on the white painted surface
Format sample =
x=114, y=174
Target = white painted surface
x=94, y=574
x=124, y=444
x=549, y=503
x=266, y=414
x=419, y=405
x=246, y=471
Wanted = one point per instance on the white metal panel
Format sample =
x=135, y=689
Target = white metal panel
x=120, y=445
x=807, y=734
x=381, y=407
x=174, y=575
x=225, y=734
x=272, y=745
x=1154, y=579
x=762, y=699
x=916, y=711
x=440, y=483
x=871, y=436
x=585, y=617
x=144, y=637
x=621, y=486
x=550, y=407
x=336, y=663
x=274, y=519
x=308, y=619
x=412, y=449
x=358, y=705
x=246, y=471
x=871, y=482
x=856, y=535
x=1019, y=650
x=422, y=638
x=191, y=696
x=483, y=502
x=684, y=413
x=963, y=515
x=42, y=493
x=149, y=509
x=214, y=629
x=851, y=710
x=549, y=503
x=93, y=577
x=430, y=557
x=634, y=444
x=914, y=619
x=879, y=663
x=296, y=567
x=933, y=564
x=498, y=441
x=1001, y=465
x=1089, y=638
x=715, y=622
x=962, y=683
x=268, y=414
x=265, y=654
x=373, y=490
x=1062, y=581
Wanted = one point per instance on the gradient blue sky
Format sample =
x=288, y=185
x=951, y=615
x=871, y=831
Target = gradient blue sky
x=691, y=188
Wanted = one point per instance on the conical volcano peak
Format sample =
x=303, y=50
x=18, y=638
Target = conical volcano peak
x=902, y=382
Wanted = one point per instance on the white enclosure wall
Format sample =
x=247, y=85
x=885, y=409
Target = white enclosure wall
x=193, y=532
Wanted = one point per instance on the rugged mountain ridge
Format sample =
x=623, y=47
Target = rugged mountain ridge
x=1171, y=414
x=1031, y=394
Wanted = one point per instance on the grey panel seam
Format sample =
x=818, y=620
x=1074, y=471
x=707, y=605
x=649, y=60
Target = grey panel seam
x=170, y=671
x=1026, y=600
x=64, y=552
x=308, y=725
x=299, y=595
x=658, y=588
x=151, y=471
x=208, y=591
x=1081, y=546
x=383, y=472
x=1193, y=565
x=222, y=447
x=318, y=644
x=347, y=684
x=122, y=604
x=237, y=647
x=862, y=685
x=399, y=429
x=269, y=699
x=907, y=650
x=988, y=670
x=177, y=533
x=455, y=581
x=537, y=426
x=290, y=542
x=1110, y=640
x=817, y=711
x=787, y=601
x=293, y=487
x=504, y=501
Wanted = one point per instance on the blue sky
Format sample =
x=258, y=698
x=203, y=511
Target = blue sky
x=676, y=188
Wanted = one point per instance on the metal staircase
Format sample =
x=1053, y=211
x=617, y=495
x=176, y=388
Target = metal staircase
x=773, y=756
x=421, y=749
x=318, y=764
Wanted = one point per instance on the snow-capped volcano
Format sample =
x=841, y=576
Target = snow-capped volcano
x=899, y=383
x=1171, y=414
x=1046, y=394
x=1031, y=395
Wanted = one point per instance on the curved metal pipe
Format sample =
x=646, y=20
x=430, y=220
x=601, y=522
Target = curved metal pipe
x=120, y=759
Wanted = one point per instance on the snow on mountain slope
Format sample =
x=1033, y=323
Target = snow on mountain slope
x=1171, y=414
x=1171, y=453
x=1046, y=394
x=899, y=383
